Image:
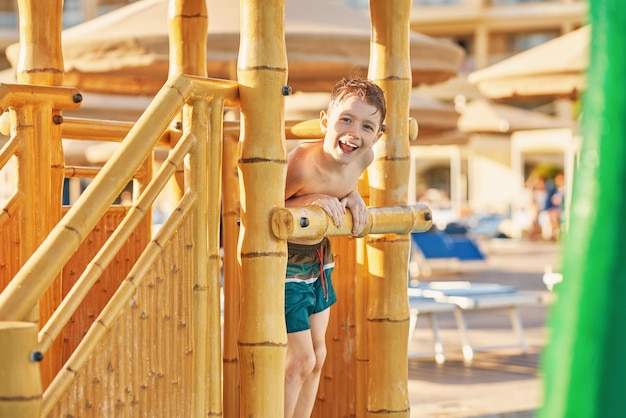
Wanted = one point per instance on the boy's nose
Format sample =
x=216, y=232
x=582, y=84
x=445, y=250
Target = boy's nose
x=354, y=131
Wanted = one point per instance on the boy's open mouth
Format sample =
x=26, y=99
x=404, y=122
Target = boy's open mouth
x=347, y=147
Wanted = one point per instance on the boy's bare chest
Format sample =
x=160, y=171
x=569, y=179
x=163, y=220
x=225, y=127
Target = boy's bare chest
x=337, y=184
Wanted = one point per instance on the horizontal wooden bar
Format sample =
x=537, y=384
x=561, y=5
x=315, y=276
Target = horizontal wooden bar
x=107, y=130
x=311, y=222
x=63, y=98
x=205, y=87
x=91, y=172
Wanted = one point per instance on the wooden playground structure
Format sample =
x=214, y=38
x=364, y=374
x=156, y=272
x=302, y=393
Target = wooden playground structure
x=103, y=316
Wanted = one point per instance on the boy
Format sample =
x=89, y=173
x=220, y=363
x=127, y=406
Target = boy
x=324, y=173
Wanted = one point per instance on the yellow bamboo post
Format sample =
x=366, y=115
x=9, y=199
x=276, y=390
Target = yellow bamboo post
x=216, y=135
x=20, y=382
x=360, y=309
x=188, y=22
x=230, y=232
x=196, y=179
x=202, y=175
x=361, y=297
x=388, y=254
x=335, y=397
x=262, y=74
x=41, y=167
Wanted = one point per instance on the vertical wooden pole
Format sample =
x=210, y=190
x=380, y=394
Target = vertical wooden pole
x=214, y=194
x=361, y=298
x=387, y=304
x=262, y=73
x=336, y=395
x=20, y=383
x=230, y=232
x=203, y=175
x=41, y=162
x=584, y=363
x=188, y=26
x=188, y=23
x=196, y=179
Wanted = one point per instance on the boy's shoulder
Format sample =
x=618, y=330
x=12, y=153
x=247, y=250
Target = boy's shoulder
x=308, y=145
x=305, y=150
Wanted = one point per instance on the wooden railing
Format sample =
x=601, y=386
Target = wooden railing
x=21, y=295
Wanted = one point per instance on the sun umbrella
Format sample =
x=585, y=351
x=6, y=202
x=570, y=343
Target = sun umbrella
x=126, y=51
x=553, y=69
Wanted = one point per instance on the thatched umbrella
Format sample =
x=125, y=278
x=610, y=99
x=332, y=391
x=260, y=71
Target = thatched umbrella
x=554, y=69
x=126, y=51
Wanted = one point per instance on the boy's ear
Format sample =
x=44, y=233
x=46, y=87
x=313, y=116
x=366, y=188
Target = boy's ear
x=323, y=121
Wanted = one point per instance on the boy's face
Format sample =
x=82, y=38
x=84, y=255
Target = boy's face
x=351, y=128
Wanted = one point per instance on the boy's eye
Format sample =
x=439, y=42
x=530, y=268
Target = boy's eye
x=369, y=127
x=347, y=120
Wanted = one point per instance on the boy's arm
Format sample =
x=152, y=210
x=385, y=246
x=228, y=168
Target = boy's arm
x=298, y=177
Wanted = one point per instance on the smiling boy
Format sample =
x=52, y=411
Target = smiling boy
x=325, y=173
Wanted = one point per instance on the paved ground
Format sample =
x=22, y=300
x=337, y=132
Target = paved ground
x=500, y=383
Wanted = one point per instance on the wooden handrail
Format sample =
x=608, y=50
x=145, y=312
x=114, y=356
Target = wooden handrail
x=311, y=222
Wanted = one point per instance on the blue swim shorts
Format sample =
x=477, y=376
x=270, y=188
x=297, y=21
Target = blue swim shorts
x=308, y=286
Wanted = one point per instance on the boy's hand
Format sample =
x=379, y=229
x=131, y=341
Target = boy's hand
x=333, y=208
x=331, y=205
x=359, y=211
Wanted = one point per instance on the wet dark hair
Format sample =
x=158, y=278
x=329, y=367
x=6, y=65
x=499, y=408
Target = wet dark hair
x=367, y=90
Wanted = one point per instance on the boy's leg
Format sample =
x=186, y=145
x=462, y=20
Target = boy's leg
x=300, y=363
x=308, y=392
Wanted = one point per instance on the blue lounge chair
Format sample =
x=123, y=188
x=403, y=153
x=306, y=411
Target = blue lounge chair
x=437, y=245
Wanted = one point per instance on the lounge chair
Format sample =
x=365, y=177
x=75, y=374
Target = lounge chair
x=428, y=307
x=466, y=296
x=437, y=245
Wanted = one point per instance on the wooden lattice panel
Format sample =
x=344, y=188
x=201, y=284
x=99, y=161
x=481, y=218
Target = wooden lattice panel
x=142, y=367
x=111, y=277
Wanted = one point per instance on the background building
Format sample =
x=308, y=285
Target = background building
x=491, y=30
x=490, y=173
x=483, y=171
